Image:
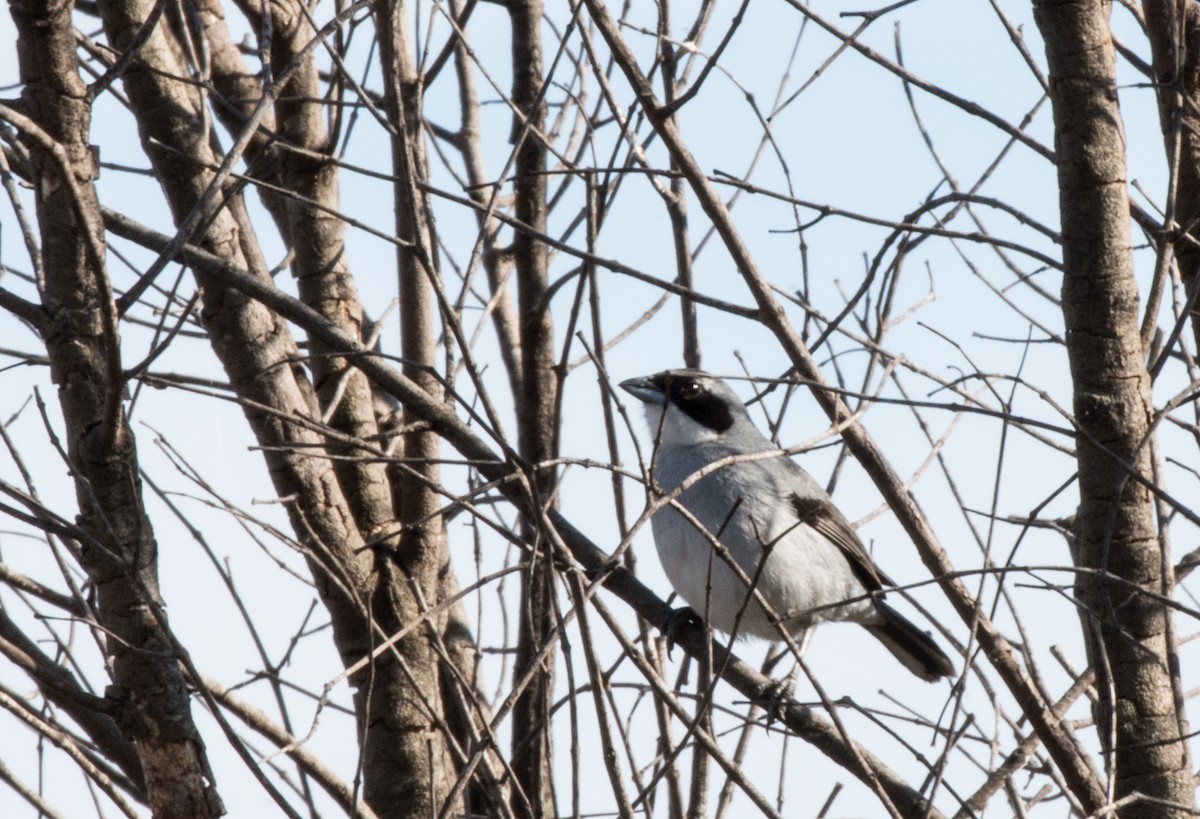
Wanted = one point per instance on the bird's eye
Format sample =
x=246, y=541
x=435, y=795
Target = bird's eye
x=689, y=390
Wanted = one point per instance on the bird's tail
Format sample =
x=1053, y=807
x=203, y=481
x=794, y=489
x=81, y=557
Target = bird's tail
x=911, y=646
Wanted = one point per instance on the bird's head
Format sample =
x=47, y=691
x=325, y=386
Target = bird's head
x=688, y=407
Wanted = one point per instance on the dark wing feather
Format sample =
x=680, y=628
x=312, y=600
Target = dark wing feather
x=823, y=517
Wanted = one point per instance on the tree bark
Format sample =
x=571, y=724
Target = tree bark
x=1116, y=535
x=537, y=428
x=314, y=232
x=412, y=565
x=149, y=695
x=262, y=361
x=1175, y=48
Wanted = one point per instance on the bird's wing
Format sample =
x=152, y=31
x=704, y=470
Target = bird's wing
x=819, y=514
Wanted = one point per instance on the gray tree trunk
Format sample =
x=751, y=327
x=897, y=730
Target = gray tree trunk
x=1117, y=543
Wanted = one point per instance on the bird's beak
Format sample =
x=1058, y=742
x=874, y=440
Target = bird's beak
x=644, y=390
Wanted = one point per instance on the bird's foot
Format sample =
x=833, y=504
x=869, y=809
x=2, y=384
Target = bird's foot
x=678, y=619
x=774, y=697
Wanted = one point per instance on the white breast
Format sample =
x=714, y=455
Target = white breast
x=794, y=568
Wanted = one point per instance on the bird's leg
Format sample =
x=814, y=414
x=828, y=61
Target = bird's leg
x=774, y=695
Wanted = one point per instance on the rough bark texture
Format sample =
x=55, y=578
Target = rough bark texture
x=536, y=423
x=149, y=695
x=262, y=362
x=255, y=347
x=413, y=565
x=340, y=508
x=1174, y=31
x=315, y=235
x=401, y=742
x=1116, y=533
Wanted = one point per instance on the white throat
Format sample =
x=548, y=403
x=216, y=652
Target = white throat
x=670, y=427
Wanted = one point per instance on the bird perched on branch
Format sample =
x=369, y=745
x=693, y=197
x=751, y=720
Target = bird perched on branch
x=790, y=543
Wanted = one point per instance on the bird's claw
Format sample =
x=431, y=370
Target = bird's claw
x=775, y=696
x=678, y=619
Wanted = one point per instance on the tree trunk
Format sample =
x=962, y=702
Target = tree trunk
x=1117, y=544
x=414, y=565
x=366, y=598
x=537, y=432
x=149, y=694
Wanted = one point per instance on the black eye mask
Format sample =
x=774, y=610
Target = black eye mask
x=701, y=405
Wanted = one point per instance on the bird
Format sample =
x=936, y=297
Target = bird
x=791, y=543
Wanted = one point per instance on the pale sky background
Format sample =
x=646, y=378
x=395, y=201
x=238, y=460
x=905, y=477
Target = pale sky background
x=849, y=140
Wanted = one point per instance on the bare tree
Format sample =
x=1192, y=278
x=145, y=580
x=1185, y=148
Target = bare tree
x=391, y=501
